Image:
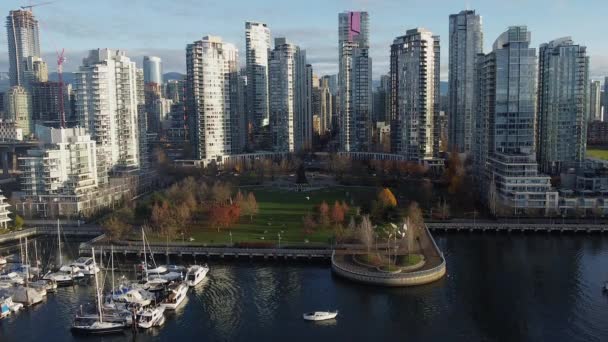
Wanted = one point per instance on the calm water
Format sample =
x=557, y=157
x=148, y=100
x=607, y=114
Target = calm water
x=498, y=288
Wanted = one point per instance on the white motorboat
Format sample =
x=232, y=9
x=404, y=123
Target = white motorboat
x=3, y=261
x=12, y=278
x=162, y=273
x=151, y=317
x=196, y=274
x=320, y=315
x=177, y=294
x=65, y=276
x=86, y=266
x=132, y=296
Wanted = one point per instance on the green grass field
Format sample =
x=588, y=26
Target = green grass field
x=282, y=212
x=597, y=153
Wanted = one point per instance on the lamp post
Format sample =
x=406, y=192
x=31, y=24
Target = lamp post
x=230, y=233
x=279, y=234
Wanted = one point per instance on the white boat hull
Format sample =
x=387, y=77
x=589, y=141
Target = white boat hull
x=320, y=315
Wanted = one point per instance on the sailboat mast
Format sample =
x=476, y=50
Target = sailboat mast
x=27, y=268
x=97, y=288
x=112, y=253
x=36, y=254
x=143, y=240
x=59, y=244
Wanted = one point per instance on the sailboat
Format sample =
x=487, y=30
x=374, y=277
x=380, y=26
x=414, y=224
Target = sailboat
x=24, y=294
x=156, y=278
x=97, y=325
x=66, y=275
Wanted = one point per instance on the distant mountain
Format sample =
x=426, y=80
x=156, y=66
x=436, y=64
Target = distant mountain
x=173, y=76
x=68, y=77
x=5, y=81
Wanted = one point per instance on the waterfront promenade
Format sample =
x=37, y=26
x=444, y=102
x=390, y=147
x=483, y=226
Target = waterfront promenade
x=518, y=227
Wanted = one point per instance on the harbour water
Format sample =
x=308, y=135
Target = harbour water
x=498, y=288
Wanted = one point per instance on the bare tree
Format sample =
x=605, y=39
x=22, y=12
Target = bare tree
x=366, y=232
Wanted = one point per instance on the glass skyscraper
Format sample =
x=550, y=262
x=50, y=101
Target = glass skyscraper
x=354, y=81
x=466, y=42
x=563, y=81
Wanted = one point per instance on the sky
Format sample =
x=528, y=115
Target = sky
x=164, y=28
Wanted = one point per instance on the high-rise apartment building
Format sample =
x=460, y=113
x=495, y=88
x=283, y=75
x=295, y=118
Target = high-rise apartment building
x=46, y=104
x=290, y=96
x=34, y=70
x=23, y=41
x=257, y=49
x=107, y=106
x=174, y=90
x=505, y=160
x=605, y=118
x=466, y=42
x=415, y=94
x=563, y=80
x=153, y=70
x=211, y=89
x=327, y=106
x=354, y=81
x=18, y=108
x=595, y=96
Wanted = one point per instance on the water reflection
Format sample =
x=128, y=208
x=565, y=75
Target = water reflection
x=498, y=288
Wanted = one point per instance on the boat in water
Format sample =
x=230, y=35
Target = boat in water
x=86, y=266
x=196, y=274
x=132, y=296
x=177, y=294
x=24, y=295
x=320, y=315
x=48, y=285
x=96, y=325
x=7, y=306
x=65, y=276
x=161, y=272
x=151, y=317
x=12, y=278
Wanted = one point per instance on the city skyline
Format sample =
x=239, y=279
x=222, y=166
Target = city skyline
x=318, y=36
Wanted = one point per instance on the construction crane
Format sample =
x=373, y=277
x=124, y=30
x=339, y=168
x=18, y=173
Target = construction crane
x=30, y=6
x=60, y=61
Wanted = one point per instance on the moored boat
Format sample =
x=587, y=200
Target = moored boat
x=177, y=295
x=86, y=266
x=196, y=274
x=151, y=317
x=12, y=278
x=91, y=325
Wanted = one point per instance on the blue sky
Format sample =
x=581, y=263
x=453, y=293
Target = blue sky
x=164, y=27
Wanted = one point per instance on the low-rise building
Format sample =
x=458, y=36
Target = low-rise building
x=9, y=132
x=4, y=212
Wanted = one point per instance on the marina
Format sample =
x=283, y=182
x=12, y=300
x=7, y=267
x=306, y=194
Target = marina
x=557, y=296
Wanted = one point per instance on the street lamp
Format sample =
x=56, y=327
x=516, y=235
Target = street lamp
x=279, y=234
x=230, y=233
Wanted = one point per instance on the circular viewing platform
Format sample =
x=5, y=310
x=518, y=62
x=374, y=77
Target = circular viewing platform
x=430, y=268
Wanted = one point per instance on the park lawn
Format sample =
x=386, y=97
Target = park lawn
x=598, y=154
x=281, y=212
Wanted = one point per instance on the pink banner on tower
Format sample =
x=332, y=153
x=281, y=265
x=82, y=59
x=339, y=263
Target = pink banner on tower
x=355, y=25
